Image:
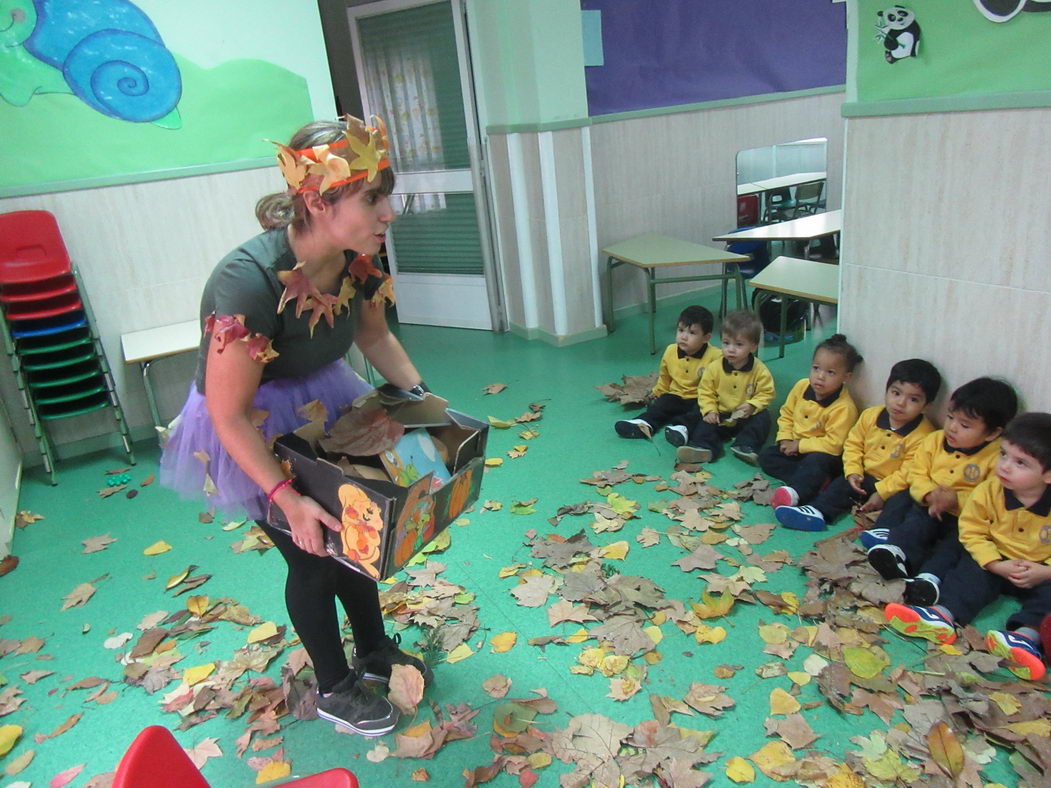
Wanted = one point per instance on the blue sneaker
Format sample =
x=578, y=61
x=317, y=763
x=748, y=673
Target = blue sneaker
x=920, y=622
x=1022, y=656
x=800, y=518
x=873, y=537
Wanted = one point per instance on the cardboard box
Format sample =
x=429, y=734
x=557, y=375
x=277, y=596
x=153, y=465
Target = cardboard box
x=384, y=524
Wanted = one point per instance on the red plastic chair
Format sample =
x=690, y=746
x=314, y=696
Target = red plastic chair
x=155, y=760
x=747, y=209
x=31, y=248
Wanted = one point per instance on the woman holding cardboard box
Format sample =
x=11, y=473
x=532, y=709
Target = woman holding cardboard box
x=278, y=315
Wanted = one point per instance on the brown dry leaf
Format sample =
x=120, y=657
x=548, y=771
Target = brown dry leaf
x=25, y=517
x=33, y=676
x=203, y=750
x=71, y=720
x=420, y=775
x=147, y=481
x=362, y=432
x=20, y=763
x=78, y=596
x=794, y=730
x=97, y=543
x=405, y=689
x=632, y=390
x=494, y=388
x=709, y=699
x=517, y=451
x=771, y=757
x=106, y=492
x=946, y=750
x=497, y=686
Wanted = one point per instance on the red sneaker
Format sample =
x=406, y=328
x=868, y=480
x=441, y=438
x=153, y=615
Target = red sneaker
x=784, y=496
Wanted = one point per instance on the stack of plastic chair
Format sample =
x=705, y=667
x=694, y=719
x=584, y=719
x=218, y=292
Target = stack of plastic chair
x=49, y=332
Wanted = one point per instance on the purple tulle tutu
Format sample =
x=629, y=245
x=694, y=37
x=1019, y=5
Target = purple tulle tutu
x=335, y=385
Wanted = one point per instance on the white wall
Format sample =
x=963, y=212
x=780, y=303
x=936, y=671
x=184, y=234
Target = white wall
x=947, y=247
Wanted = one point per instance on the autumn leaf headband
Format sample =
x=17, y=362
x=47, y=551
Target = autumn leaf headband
x=363, y=152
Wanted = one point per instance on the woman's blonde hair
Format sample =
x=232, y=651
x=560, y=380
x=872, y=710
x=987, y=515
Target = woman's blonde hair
x=281, y=209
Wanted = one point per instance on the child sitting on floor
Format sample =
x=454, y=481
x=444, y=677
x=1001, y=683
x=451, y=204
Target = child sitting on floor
x=675, y=394
x=877, y=450
x=950, y=463
x=813, y=425
x=733, y=396
x=1004, y=547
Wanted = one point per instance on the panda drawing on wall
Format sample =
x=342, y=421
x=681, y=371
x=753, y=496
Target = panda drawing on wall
x=900, y=32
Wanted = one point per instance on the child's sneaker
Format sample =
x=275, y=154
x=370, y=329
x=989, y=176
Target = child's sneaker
x=693, y=454
x=633, y=428
x=923, y=590
x=873, y=537
x=746, y=454
x=784, y=496
x=676, y=435
x=352, y=705
x=889, y=561
x=1023, y=658
x=920, y=622
x=376, y=665
x=800, y=518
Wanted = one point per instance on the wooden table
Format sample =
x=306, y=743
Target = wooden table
x=808, y=280
x=146, y=346
x=798, y=231
x=653, y=251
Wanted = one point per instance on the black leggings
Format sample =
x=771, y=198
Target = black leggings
x=311, y=588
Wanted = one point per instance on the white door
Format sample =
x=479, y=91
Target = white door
x=413, y=72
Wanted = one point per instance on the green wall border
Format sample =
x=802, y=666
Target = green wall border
x=555, y=339
x=137, y=177
x=576, y=123
x=957, y=103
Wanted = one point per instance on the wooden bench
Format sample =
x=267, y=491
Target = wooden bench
x=146, y=346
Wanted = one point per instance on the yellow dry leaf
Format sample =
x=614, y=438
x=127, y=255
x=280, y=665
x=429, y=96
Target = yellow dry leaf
x=771, y=756
x=706, y=634
x=505, y=641
x=275, y=770
x=591, y=657
x=9, y=734
x=613, y=664
x=197, y=674
x=739, y=770
x=494, y=462
x=946, y=750
x=539, y=760
x=461, y=652
x=157, y=548
x=198, y=605
x=799, y=678
x=659, y=617
x=617, y=551
x=950, y=649
x=783, y=703
x=845, y=778
x=420, y=775
x=654, y=634
x=508, y=571
x=865, y=663
x=418, y=730
x=652, y=657
x=792, y=600
x=19, y=764
x=500, y=424
x=579, y=636
x=773, y=634
x=1041, y=728
x=262, y=632
x=1007, y=702
x=713, y=605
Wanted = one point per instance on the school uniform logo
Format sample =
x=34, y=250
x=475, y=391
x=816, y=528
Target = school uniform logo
x=749, y=390
x=1045, y=534
x=898, y=451
x=972, y=472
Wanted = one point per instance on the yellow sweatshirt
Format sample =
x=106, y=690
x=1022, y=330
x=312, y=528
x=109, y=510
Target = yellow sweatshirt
x=873, y=447
x=995, y=526
x=817, y=425
x=680, y=374
x=724, y=388
x=934, y=464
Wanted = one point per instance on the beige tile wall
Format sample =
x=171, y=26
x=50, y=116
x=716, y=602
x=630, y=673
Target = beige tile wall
x=947, y=247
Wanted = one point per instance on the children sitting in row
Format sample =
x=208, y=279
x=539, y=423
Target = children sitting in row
x=1004, y=547
x=733, y=396
x=813, y=425
x=876, y=450
x=674, y=404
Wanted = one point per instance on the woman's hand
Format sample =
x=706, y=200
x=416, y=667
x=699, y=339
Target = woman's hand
x=305, y=519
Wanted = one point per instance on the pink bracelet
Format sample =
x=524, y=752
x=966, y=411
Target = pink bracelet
x=276, y=489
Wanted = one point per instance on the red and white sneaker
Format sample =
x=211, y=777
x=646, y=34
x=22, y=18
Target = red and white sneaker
x=784, y=496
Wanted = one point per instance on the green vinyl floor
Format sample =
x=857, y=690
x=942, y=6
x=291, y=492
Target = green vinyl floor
x=86, y=643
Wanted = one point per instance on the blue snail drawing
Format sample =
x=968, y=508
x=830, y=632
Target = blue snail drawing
x=106, y=52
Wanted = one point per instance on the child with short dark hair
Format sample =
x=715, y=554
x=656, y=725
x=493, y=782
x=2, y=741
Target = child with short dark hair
x=877, y=450
x=733, y=396
x=674, y=406
x=813, y=425
x=1004, y=547
x=946, y=468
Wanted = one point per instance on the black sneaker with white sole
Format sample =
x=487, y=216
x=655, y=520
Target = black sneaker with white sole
x=676, y=435
x=745, y=454
x=632, y=428
x=889, y=561
x=353, y=705
x=923, y=590
x=376, y=665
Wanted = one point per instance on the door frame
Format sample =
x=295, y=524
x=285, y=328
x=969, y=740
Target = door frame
x=411, y=183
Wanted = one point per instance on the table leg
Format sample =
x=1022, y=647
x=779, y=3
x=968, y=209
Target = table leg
x=784, y=324
x=151, y=399
x=652, y=286
x=608, y=316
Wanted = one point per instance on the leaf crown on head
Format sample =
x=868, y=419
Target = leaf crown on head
x=361, y=153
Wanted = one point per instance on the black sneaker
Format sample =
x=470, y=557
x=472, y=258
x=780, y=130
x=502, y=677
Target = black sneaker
x=889, y=561
x=923, y=590
x=745, y=454
x=632, y=428
x=376, y=665
x=676, y=435
x=352, y=705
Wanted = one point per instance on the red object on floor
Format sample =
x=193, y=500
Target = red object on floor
x=1045, y=636
x=156, y=760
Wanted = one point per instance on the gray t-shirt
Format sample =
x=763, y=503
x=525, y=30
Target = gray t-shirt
x=245, y=283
